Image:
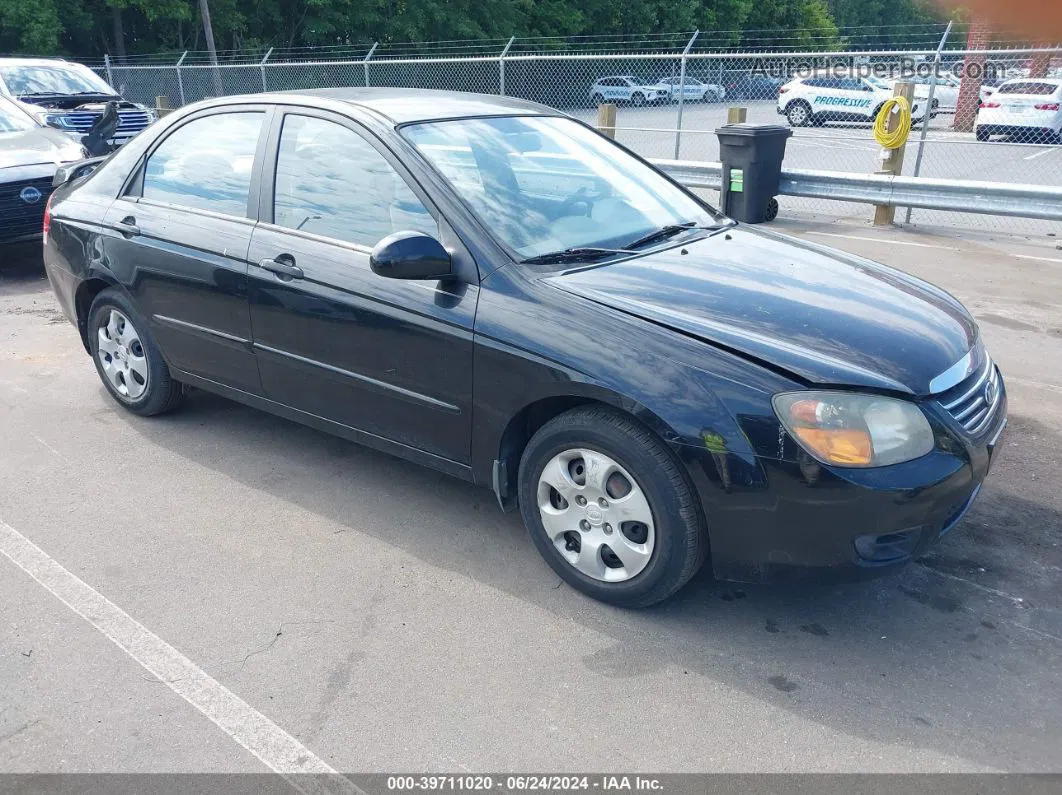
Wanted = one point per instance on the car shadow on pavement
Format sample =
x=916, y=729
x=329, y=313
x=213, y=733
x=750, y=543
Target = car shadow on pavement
x=958, y=654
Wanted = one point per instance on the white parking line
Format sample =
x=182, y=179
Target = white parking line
x=277, y=749
x=1035, y=155
x=882, y=240
x=1055, y=260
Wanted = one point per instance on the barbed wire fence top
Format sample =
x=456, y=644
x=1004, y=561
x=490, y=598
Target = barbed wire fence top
x=673, y=91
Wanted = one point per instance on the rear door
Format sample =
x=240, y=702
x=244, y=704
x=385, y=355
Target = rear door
x=389, y=357
x=178, y=237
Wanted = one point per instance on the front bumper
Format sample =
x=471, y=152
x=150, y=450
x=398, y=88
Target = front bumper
x=791, y=521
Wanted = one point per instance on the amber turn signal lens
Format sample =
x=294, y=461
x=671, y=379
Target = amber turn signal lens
x=846, y=447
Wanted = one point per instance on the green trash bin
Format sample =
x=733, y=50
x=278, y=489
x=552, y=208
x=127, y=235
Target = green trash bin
x=752, y=157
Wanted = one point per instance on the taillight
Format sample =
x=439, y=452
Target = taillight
x=990, y=105
x=46, y=224
x=1048, y=106
x=782, y=90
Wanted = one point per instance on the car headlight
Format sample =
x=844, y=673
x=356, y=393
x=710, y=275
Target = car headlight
x=855, y=430
x=60, y=120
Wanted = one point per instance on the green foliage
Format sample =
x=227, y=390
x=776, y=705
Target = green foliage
x=88, y=28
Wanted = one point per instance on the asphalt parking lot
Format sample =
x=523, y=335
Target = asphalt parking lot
x=383, y=617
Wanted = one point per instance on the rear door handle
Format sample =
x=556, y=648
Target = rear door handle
x=285, y=268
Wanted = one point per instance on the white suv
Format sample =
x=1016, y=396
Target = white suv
x=626, y=88
x=818, y=99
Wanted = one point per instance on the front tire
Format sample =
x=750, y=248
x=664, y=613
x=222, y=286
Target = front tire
x=637, y=99
x=610, y=509
x=127, y=359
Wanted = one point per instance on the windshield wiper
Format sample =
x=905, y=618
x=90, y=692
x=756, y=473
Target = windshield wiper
x=664, y=232
x=583, y=254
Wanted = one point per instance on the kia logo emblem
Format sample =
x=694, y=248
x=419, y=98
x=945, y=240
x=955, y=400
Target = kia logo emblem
x=990, y=393
x=30, y=195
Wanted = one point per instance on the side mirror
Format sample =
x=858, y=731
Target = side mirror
x=410, y=255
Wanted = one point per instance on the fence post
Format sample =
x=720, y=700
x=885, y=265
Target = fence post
x=736, y=115
x=107, y=68
x=365, y=61
x=929, y=109
x=261, y=65
x=892, y=160
x=501, y=66
x=682, y=91
x=180, y=79
x=606, y=119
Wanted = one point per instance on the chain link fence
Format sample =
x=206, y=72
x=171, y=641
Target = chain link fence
x=995, y=110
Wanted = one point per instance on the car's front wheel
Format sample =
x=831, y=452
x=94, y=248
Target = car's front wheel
x=126, y=357
x=637, y=99
x=609, y=508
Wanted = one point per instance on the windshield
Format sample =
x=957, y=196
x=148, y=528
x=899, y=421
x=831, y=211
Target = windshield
x=878, y=83
x=12, y=119
x=59, y=78
x=546, y=184
x=1029, y=89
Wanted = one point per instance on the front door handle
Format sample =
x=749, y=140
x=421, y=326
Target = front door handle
x=127, y=226
x=283, y=266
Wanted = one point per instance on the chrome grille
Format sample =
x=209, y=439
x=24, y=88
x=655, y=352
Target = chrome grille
x=130, y=122
x=974, y=400
x=19, y=218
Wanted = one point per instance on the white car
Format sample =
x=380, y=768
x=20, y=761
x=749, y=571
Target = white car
x=692, y=91
x=1027, y=111
x=625, y=88
x=820, y=98
x=946, y=94
x=68, y=96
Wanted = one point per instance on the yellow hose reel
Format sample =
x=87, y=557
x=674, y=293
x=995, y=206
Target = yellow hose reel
x=898, y=137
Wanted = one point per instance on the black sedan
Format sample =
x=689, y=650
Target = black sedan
x=488, y=287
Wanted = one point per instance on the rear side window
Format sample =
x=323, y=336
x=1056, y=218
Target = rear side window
x=1031, y=89
x=206, y=164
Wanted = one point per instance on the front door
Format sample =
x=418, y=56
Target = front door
x=388, y=357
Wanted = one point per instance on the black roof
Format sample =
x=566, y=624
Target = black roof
x=402, y=105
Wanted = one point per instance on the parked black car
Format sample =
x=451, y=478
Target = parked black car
x=752, y=87
x=488, y=287
x=29, y=156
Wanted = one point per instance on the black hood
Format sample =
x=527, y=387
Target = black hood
x=823, y=315
x=94, y=103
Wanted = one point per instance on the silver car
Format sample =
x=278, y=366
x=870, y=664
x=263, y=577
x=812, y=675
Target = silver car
x=692, y=89
x=626, y=89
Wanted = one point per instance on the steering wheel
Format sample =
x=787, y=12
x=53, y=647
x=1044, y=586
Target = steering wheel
x=582, y=197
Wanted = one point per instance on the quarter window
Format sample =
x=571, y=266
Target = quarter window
x=330, y=181
x=206, y=164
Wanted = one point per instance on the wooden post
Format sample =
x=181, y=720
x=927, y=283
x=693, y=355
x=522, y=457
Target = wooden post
x=162, y=105
x=892, y=159
x=606, y=119
x=736, y=115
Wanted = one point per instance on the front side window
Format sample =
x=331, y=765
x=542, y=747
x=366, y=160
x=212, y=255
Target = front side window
x=59, y=78
x=543, y=184
x=206, y=164
x=332, y=182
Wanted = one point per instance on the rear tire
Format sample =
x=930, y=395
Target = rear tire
x=798, y=114
x=597, y=99
x=631, y=533
x=637, y=99
x=127, y=359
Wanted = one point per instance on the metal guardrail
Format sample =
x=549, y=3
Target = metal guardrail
x=952, y=195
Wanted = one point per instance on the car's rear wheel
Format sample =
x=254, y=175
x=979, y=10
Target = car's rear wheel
x=126, y=357
x=798, y=114
x=597, y=99
x=609, y=508
x=637, y=99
